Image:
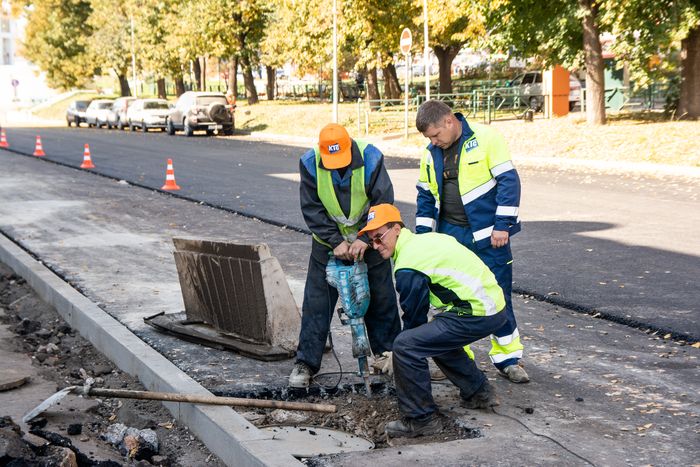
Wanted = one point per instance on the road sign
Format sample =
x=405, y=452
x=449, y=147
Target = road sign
x=406, y=41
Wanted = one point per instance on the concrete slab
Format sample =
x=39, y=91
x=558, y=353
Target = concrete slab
x=600, y=391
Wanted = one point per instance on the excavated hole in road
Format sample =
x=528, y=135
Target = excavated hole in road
x=357, y=415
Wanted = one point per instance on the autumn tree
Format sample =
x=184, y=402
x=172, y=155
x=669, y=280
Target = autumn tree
x=56, y=39
x=643, y=30
x=451, y=25
x=157, y=49
x=109, y=44
x=565, y=32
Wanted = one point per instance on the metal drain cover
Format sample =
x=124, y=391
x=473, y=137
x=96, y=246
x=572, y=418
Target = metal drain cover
x=309, y=441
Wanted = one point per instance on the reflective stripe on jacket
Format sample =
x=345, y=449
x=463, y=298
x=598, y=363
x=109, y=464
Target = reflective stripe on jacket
x=359, y=202
x=488, y=183
x=335, y=207
x=455, y=276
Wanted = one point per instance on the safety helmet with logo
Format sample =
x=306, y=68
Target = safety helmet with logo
x=335, y=146
x=380, y=215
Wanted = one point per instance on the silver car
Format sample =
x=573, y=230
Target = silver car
x=97, y=112
x=530, y=89
x=209, y=111
x=147, y=113
x=117, y=116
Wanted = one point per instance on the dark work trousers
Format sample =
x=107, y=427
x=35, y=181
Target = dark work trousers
x=500, y=262
x=442, y=339
x=382, y=317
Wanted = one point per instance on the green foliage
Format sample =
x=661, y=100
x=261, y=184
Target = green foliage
x=157, y=47
x=451, y=23
x=109, y=45
x=549, y=30
x=300, y=32
x=57, y=38
x=648, y=35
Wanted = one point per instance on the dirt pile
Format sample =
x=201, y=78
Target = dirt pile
x=357, y=414
x=74, y=431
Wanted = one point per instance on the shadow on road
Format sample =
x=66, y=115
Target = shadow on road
x=649, y=286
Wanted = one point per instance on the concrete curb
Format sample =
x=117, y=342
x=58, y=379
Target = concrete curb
x=223, y=430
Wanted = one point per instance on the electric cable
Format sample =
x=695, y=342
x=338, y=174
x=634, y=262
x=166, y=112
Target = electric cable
x=543, y=436
x=340, y=373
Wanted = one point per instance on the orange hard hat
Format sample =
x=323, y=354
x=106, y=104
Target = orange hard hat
x=380, y=215
x=335, y=146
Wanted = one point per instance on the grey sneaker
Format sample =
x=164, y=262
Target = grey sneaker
x=412, y=427
x=300, y=376
x=515, y=374
x=481, y=399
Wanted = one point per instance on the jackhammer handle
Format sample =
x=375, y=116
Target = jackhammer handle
x=212, y=400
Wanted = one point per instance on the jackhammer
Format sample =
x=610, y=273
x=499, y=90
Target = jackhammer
x=353, y=292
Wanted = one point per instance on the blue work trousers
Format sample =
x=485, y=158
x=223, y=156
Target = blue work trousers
x=500, y=262
x=382, y=317
x=442, y=339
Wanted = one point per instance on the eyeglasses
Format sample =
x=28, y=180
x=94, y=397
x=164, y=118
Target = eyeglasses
x=379, y=240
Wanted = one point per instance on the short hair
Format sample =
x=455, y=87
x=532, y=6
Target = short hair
x=431, y=113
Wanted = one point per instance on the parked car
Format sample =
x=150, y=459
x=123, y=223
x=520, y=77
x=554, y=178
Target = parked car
x=96, y=113
x=201, y=111
x=75, y=113
x=147, y=113
x=116, y=117
x=530, y=86
x=574, y=91
x=532, y=92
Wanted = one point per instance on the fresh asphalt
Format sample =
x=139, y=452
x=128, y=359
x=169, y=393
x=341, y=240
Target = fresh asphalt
x=618, y=245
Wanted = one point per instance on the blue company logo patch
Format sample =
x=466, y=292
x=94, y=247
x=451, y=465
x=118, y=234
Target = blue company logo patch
x=469, y=145
x=370, y=216
x=333, y=148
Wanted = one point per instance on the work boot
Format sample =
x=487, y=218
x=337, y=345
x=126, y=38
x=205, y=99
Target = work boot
x=481, y=399
x=300, y=376
x=412, y=427
x=515, y=374
x=436, y=373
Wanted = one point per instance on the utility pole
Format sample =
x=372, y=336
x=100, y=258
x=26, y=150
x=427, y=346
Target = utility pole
x=133, y=56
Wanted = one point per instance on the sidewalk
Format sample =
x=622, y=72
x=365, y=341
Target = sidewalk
x=601, y=393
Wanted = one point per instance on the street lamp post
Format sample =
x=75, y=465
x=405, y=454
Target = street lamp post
x=426, y=51
x=133, y=55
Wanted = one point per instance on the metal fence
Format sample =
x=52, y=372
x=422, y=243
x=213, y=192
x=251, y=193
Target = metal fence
x=652, y=97
x=484, y=105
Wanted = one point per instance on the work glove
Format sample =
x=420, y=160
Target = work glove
x=383, y=364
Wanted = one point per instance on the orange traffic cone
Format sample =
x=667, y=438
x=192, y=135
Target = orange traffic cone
x=87, y=160
x=39, y=149
x=170, y=178
x=3, y=140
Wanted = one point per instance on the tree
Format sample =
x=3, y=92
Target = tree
x=567, y=32
x=371, y=29
x=56, y=39
x=562, y=32
x=595, y=66
x=451, y=25
x=646, y=29
x=232, y=28
x=109, y=45
x=156, y=45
